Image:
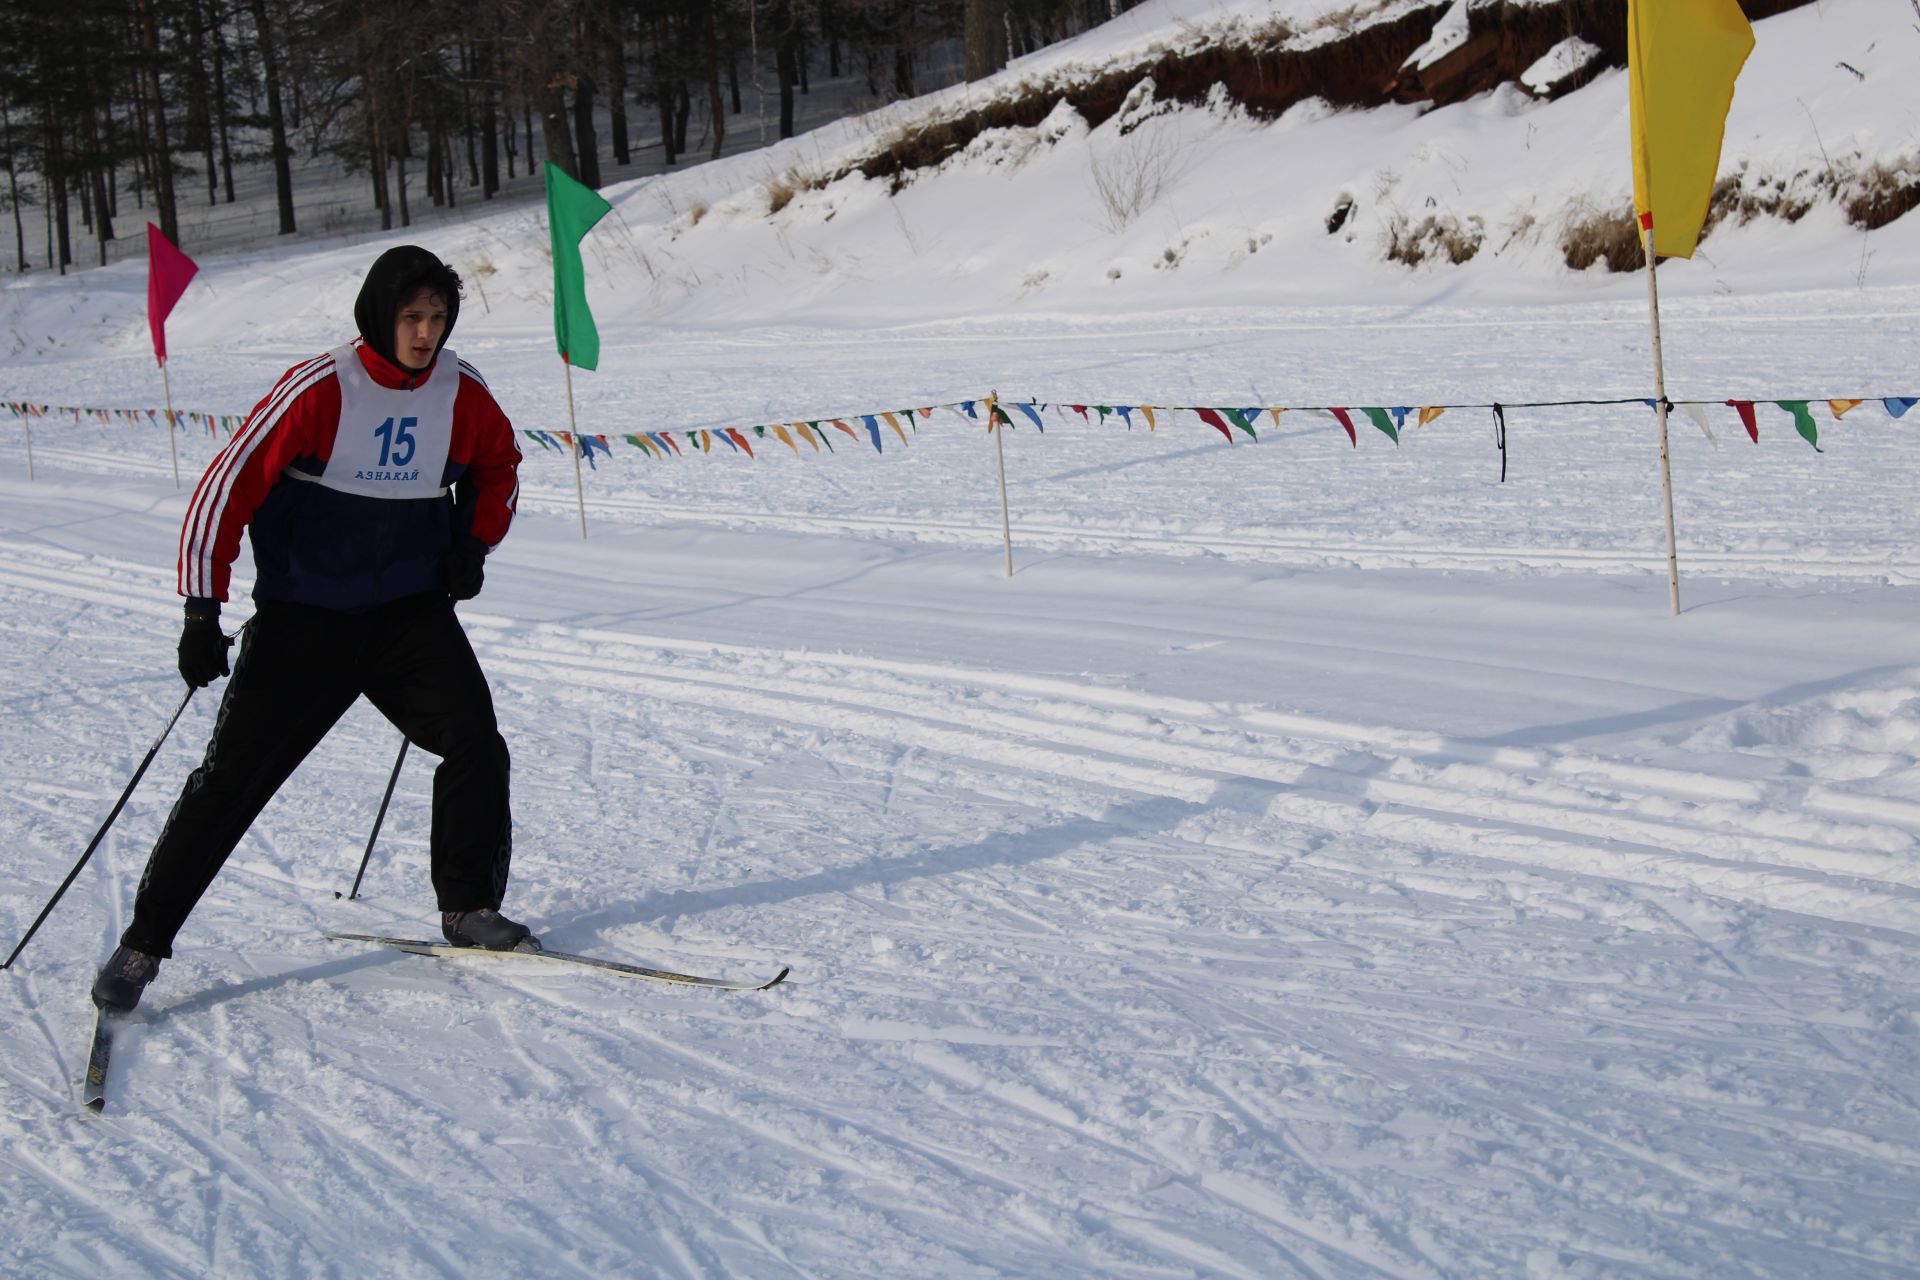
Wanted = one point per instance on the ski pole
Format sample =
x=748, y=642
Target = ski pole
x=378, y=818
x=99, y=835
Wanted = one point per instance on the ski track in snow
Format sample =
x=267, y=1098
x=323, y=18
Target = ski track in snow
x=1089, y=978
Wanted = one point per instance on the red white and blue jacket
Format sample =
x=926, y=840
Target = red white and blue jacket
x=375, y=529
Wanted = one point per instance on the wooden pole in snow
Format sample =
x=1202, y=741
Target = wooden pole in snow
x=173, y=448
x=1660, y=413
x=1000, y=458
x=573, y=430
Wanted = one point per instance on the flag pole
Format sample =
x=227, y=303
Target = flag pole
x=1683, y=60
x=173, y=448
x=572, y=211
x=1000, y=459
x=26, y=425
x=1660, y=413
x=573, y=428
x=169, y=271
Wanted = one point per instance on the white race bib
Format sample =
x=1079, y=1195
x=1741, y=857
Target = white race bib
x=391, y=443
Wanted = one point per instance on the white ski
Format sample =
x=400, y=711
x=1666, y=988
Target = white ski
x=421, y=947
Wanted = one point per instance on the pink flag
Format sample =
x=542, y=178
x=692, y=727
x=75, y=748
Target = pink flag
x=168, y=273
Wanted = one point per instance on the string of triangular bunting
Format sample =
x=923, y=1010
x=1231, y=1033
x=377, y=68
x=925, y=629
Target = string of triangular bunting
x=1233, y=422
x=1248, y=422
x=227, y=422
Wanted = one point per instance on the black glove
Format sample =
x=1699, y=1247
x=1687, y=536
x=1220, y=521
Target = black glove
x=203, y=646
x=466, y=569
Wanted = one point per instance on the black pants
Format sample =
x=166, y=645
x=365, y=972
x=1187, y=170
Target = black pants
x=298, y=670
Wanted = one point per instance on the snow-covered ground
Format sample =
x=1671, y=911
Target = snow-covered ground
x=1313, y=861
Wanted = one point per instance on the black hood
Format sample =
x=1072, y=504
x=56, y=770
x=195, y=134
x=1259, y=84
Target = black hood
x=394, y=277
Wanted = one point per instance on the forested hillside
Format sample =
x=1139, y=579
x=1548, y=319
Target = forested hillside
x=117, y=112
x=231, y=122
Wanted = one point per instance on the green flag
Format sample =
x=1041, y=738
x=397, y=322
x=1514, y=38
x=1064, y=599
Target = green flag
x=572, y=210
x=1379, y=418
x=1803, y=421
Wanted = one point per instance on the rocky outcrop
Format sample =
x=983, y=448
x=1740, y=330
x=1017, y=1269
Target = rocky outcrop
x=1371, y=64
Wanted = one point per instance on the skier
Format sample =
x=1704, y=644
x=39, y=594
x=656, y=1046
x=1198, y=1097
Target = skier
x=373, y=480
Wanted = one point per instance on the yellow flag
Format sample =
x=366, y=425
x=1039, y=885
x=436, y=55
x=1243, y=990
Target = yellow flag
x=1682, y=59
x=1840, y=407
x=1429, y=413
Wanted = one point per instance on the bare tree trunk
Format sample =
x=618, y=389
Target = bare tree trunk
x=666, y=129
x=142, y=169
x=102, y=224
x=716, y=106
x=220, y=104
x=906, y=39
x=785, y=40
x=20, y=263
x=466, y=114
x=509, y=139
x=400, y=177
x=200, y=111
x=377, y=167
x=585, y=137
x=473, y=155
x=554, y=130
x=110, y=146
x=276, y=119
x=584, y=55
x=83, y=192
x=663, y=82
x=490, y=128
x=617, y=92
x=57, y=200
x=985, y=37
x=163, y=154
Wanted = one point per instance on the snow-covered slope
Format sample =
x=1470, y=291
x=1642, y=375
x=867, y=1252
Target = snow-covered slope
x=1202, y=204
x=1314, y=861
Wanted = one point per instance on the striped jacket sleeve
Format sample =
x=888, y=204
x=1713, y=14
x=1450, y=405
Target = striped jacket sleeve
x=485, y=443
x=296, y=419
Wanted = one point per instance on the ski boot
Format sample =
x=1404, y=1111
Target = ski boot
x=488, y=929
x=122, y=980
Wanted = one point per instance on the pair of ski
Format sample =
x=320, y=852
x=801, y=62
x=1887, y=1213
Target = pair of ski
x=93, y=1091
